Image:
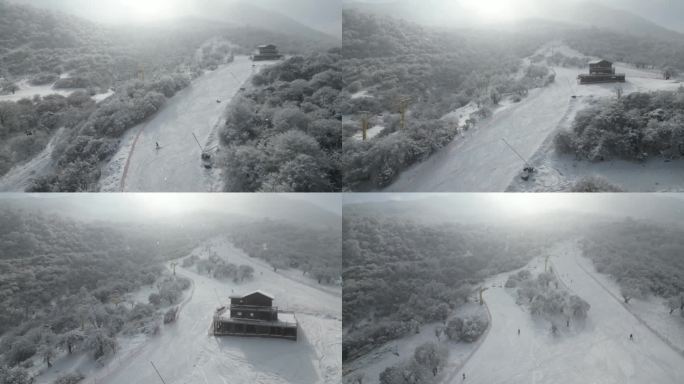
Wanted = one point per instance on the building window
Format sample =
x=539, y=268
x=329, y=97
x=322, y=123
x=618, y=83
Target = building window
x=251, y=314
x=239, y=313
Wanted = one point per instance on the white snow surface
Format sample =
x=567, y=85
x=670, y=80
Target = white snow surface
x=460, y=115
x=177, y=166
x=102, y=96
x=652, y=311
x=27, y=91
x=360, y=94
x=184, y=352
x=370, y=133
x=479, y=161
x=600, y=352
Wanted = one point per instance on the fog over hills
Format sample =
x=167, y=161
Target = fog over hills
x=318, y=211
x=507, y=209
x=632, y=17
x=300, y=17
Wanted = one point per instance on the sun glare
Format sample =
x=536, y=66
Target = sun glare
x=163, y=203
x=492, y=10
x=149, y=10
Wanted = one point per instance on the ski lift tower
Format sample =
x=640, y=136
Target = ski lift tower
x=141, y=72
x=403, y=106
x=364, y=125
x=205, y=156
x=482, y=289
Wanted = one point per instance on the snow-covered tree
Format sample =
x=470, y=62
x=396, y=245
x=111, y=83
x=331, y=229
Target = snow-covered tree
x=245, y=272
x=100, y=343
x=72, y=340
x=16, y=375
x=578, y=307
x=473, y=328
x=70, y=378
x=357, y=378
x=454, y=328
x=431, y=355
x=629, y=292
x=47, y=352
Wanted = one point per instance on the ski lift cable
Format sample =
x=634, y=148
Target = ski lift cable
x=159, y=374
x=516, y=152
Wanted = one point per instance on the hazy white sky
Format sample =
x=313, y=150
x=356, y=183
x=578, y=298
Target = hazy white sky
x=668, y=13
x=324, y=15
x=513, y=204
x=118, y=206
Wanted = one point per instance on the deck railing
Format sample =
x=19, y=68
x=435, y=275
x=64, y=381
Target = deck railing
x=241, y=307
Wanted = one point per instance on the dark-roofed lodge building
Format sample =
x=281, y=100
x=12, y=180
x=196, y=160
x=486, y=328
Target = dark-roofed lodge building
x=253, y=314
x=601, y=71
x=267, y=52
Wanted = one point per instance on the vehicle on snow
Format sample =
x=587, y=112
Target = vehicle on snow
x=206, y=160
x=526, y=173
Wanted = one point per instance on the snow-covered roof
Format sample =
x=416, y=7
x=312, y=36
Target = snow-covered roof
x=251, y=293
x=600, y=61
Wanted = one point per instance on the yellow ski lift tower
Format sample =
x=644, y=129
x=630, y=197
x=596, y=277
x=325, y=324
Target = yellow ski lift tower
x=546, y=263
x=403, y=106
x=482, y=289
x=364, y=125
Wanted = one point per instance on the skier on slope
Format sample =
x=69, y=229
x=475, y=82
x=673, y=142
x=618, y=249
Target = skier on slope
x=464, y=376
x=157, y=143
x=518, y=331
x=631, y=337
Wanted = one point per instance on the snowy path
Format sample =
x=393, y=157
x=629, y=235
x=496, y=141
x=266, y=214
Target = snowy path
x=177, y=166
x=574, y=256
x=601, y=352
x=480, y=161
x=185, y=353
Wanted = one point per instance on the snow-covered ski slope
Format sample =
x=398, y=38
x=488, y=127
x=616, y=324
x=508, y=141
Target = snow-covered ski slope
x=600, y=352
x=19, y=177
x=185, y=353
x=177, y=166
x=479, y=161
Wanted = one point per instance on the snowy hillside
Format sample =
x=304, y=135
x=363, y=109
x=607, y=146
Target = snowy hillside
x=481, y=161
x=176, y=165
x=601, y=352
x=184, y=352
